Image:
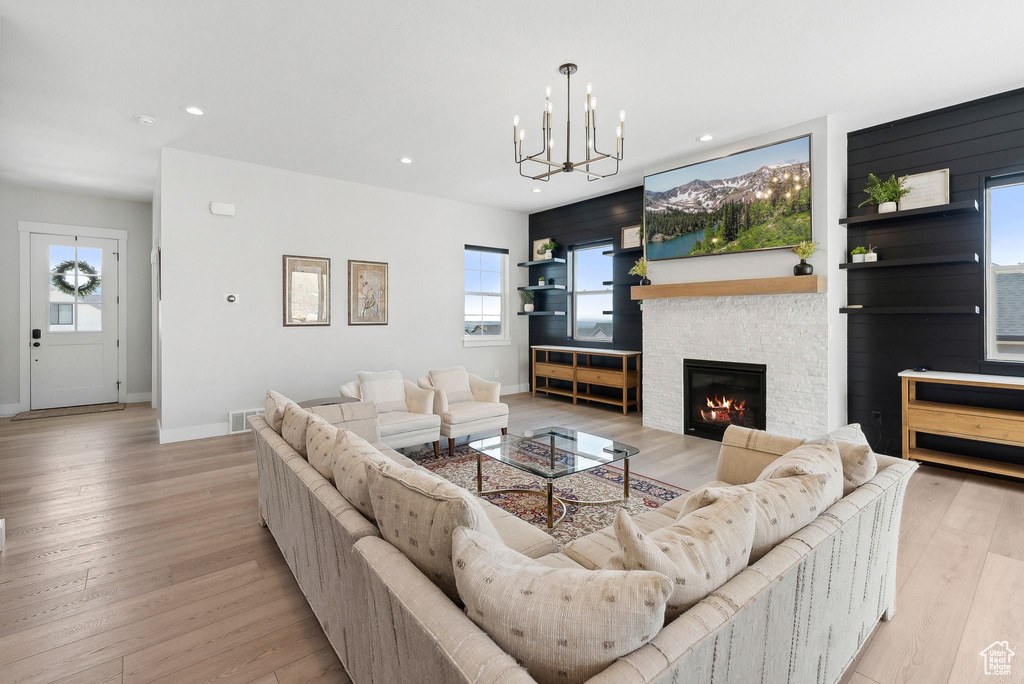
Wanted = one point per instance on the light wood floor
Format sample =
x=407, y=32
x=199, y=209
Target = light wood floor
x=128, y=561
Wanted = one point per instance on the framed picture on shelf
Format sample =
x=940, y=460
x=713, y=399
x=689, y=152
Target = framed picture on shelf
x=631, y=237
x=367, y=293
x=307, y=290
x=927, y=189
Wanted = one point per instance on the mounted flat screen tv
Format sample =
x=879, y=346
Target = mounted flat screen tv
x=752, y=200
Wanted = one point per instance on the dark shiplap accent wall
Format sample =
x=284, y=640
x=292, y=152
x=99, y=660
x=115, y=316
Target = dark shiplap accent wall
x=584, y=222
x=975, y=140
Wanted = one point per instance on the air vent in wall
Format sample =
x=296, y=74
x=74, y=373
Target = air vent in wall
x=239, y=420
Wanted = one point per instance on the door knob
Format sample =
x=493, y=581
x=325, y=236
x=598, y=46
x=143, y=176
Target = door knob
x=35, y=344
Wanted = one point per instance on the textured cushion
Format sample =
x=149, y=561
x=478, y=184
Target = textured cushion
x=454, y=382
x=321, y=439
x=781, y=506
x=745, y=453
x=273, y=409
x=851, y=434
x=466, y=411
x=561, y=624
x=353, y=456
x=811, y=459
x=517, y=534
x=859, y=465
x=417, y=513
x=293, y=427
x=397, y=422
x=699, y=553
x=359, y=417
x=386, y=390
x=594, y=550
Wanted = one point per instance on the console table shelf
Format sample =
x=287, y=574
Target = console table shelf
x=582, y=374
x=996, y=426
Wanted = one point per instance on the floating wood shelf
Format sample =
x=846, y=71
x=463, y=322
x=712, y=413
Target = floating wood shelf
x=733, y=288
x=965, y=258
x=911, y=310
x=538, y=262
x=541, y=313
x=951, y=209
x=542, y=287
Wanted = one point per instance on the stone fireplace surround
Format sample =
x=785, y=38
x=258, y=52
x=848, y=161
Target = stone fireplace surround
x=787, y=333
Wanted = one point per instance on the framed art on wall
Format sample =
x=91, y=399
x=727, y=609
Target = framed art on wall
x=307, y=290
x=367, y=293
x=632, y=237
x=927, y=189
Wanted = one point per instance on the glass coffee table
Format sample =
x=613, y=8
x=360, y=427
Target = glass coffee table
x=551, y=453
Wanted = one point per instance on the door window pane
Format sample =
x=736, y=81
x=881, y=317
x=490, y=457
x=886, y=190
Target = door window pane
x=61, y=316
x=90, y=317
x=75, y=289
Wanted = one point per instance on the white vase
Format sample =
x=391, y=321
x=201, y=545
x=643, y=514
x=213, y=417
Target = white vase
x=870, y=256
x=886, y=207
x=857, y=258
x=548, y=255
x=527, y=307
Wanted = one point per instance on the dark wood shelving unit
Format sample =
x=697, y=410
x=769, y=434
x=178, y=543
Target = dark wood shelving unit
x=951, y=209
x=542, y=287
x=541, y=313
x=964, y=258
x=539, y=262
x=912, y=310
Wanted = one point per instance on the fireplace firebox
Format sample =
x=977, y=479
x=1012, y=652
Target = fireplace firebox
x=717, y=394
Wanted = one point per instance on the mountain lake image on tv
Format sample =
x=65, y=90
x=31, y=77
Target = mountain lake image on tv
x=757, y=199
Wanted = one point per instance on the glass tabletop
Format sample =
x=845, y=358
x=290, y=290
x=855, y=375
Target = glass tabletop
x=553, y=451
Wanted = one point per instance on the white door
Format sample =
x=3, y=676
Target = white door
x=73, y=286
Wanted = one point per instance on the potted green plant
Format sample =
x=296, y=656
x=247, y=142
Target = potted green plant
x=885, y=193
x=541, y=281
x=858, y=254
x=547, y=250
x=640, y=269
x=870, y=254
x=804, y=250
x=527, y=297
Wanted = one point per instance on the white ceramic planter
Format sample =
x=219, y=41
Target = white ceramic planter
x=870, y=256
x=886, y=207
x=858, y=258
x=527, y=307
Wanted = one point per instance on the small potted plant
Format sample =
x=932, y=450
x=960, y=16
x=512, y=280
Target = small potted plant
x=804, y=250
x=640, y=269
x=547, y=250
x=541, y=281
x=870, y=254
x=527, y=297
x=885, y=193
x=858, y=254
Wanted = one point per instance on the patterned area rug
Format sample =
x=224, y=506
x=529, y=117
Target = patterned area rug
x=604, y=482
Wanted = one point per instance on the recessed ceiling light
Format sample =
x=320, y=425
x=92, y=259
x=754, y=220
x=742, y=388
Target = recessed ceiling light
x=535, y=190
x=194, y=111
x=144, y=120
x=707, y=137
x=405, y=160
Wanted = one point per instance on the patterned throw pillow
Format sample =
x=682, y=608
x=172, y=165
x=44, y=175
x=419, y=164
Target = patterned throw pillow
x=561, y=624
x=321, y=439
x=859, y=465
x=781, y=506
x=293, y=428
x=352, y=457
x=386, y=390
x=273, y=409
x=810, y=459
x=699, y=553
x=454, y=382
x=417, y=513
x=851, y=434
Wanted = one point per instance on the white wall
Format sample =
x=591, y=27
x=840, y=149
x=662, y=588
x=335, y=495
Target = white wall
x=19, y=203
x=217, y=357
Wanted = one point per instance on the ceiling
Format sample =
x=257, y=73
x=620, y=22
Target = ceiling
x=343, y=88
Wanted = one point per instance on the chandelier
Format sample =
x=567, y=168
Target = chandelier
x=593, y=155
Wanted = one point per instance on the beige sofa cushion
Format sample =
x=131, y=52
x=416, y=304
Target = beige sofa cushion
x=745, y=453
x=517, y=534
x=561, y=624
x=859, y=465
x=293, y=427
x=811, y=459
x=321, y=440
x=782, y=506
x=851, y=434
x=352, y=457
x=397, y=422
x=699, y=553
x=454, y=382
x=466, y=411
x=417, y=513
x=359, y=417
x=273, y=409
x=386, y=390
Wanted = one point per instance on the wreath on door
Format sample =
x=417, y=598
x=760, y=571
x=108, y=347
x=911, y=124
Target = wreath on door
x=64, y=268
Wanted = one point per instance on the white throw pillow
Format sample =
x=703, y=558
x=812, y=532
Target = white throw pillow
x=561, y=624
x=386, y=390
x=352, y=457
x=851, y=434
x=810, y=459
x=293, y=428
x=417, y=513
x=321, y=440
x=454, y=382
x=781, y=506
x=699, y=552
x=273, y=409
x=859, y=465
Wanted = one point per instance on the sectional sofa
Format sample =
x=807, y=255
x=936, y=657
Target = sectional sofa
x=798, y=614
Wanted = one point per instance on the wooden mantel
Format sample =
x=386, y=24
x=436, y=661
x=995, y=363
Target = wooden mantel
x=732, y=288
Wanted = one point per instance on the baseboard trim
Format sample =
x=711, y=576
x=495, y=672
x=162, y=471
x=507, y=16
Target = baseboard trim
x=140, y=397
x=185, y=434
x=515, y=389
x=7, y=410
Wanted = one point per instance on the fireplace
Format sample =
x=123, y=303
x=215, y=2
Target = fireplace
x=717, y=394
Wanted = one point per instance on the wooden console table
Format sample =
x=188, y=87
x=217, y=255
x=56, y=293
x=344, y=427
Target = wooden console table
x=999, y=426
x=581, y=373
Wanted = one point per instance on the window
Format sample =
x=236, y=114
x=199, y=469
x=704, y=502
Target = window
x=486, y=294
x=76, y=289
x=592, y=293
x=1004, y=276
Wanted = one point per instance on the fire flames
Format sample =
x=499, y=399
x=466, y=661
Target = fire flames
x=723, y=410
